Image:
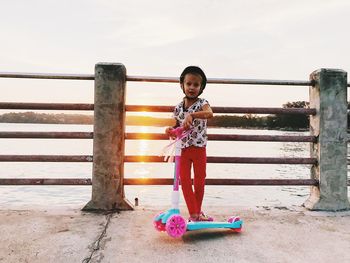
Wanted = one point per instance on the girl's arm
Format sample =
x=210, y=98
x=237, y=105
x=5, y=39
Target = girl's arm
x=205, y=113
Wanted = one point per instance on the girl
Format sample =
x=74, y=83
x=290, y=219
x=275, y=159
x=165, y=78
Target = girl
x=192, y=113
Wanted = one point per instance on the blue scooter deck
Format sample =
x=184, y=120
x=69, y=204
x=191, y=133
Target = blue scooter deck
x=202, y=225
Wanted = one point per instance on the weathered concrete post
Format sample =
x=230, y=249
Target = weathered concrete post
x=329, y=97
x=108, y=145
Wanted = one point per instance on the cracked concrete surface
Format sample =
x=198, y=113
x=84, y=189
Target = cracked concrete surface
x=47, y=236
x=270, y=235
x=96, y=245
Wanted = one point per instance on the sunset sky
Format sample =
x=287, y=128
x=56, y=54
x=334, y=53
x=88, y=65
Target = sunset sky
x=273, y=39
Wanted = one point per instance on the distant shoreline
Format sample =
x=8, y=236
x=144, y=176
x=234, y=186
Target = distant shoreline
x=248, y=121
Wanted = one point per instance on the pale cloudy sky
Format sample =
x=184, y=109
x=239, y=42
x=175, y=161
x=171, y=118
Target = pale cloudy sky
x=267, y=39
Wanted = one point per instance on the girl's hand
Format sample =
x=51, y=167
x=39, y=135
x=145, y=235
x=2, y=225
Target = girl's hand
x=169, y=131
x=188, y=122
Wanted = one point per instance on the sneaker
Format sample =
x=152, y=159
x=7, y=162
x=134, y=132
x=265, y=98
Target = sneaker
x=193, y=219
x=204, y=217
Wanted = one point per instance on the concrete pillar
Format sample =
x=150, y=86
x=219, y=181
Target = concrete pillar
x=329, y=97
x=108, y=144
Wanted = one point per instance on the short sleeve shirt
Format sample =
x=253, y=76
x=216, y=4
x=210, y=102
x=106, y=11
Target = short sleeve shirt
x=198, y=135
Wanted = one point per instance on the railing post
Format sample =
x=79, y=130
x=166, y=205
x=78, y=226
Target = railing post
x=329, y=97
x=108, y=144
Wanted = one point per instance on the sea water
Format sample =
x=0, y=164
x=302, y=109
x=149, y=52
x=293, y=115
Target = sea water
x=78, y=196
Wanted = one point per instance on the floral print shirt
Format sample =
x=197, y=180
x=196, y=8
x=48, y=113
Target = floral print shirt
x=198, y=135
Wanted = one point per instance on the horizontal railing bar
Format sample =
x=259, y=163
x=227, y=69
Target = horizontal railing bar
x=157, y=181
x=47, y=135
x=148, y=158
x=45, y=106
x=151, y=108
x=145, y=136
x=153, y=79
x=45, y=158
x=65, y=76
x=212, y=159
x=47, y=76
x=156, y=136
x=225, y=81
x=45, y=181
x=227, y=137
x=261, y=138
x=261, y=82
x=262, y=160
x=260, y=110
x=272, y=182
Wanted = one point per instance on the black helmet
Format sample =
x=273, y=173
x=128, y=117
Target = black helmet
x=197, y=71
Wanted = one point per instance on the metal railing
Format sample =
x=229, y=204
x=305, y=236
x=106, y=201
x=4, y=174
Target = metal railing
x=155, y=136
x=64, y=76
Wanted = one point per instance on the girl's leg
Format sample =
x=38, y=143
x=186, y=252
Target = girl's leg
x=186, y=183
x=199, y=167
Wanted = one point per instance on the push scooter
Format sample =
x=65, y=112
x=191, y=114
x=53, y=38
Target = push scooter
x=171, y=221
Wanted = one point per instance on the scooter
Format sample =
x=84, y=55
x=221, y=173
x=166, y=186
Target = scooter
x=171, y=221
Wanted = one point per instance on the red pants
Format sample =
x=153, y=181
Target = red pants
x=198, y=157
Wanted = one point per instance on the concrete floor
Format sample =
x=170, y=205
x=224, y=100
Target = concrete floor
x=270, y=234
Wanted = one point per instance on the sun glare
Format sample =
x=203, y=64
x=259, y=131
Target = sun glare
x=147, y=113
x=144, y=129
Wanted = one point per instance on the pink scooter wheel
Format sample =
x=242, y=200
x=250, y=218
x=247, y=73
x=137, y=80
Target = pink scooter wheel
x=158, y=225
x=235, y=219
x=176, y=226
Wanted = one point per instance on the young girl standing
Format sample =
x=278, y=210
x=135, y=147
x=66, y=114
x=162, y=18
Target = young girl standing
x=192, y=113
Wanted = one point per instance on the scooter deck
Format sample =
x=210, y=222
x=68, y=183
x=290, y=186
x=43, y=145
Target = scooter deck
x=205, y=225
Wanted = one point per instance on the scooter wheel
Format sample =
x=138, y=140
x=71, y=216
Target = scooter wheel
x=158, y=225
x=176, y=226
x=235, y=219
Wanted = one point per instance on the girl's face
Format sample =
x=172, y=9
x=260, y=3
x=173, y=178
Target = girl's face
x=192, y=85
